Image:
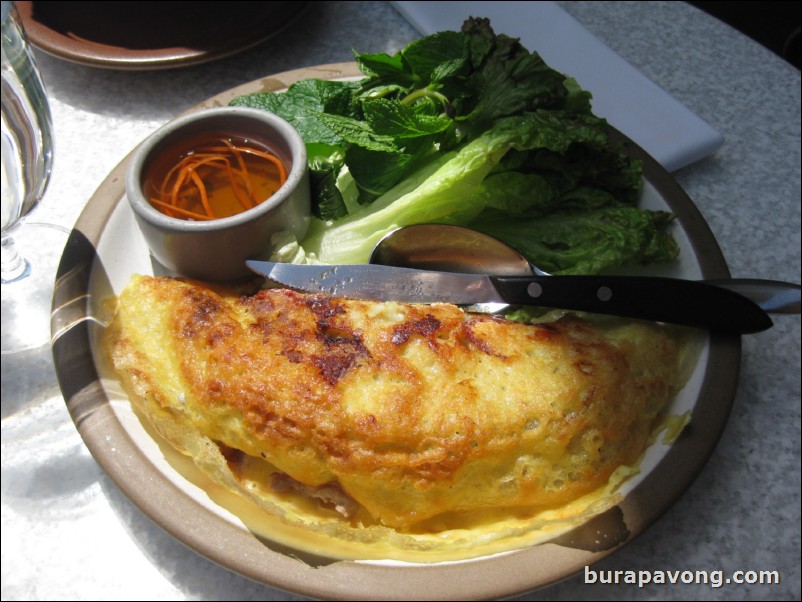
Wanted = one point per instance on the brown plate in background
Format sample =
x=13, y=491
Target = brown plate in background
x=138, y=36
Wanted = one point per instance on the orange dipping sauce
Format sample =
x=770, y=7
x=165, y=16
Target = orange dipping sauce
x=213, y=176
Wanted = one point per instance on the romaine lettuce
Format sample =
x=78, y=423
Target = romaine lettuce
x=471, y=128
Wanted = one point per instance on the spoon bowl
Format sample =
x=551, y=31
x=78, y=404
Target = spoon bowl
x=450, y=248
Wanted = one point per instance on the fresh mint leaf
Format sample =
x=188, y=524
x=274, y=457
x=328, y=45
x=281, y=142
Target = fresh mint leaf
x=356, y=132
x=391, y=118
x=331, y=96
x=380, y=67
x=448, y=69
x=303, y=101
x=329, y=203
x=377, y=172
x=440, y=55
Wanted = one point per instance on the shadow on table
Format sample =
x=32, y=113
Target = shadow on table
x=28, y=378
x=191, y=573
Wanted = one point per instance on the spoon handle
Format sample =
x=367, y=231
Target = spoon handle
x=686, y=302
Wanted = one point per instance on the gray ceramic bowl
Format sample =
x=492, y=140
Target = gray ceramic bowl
x=217, y=249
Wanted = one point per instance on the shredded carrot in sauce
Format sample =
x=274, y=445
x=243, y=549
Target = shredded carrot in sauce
x=217, y=180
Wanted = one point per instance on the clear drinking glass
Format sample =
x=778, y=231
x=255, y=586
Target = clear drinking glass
x=28, y=269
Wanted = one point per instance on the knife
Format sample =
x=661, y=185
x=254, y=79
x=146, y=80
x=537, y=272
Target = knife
x=672, y=300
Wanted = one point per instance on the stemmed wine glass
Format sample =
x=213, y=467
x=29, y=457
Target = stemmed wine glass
x=27, y=156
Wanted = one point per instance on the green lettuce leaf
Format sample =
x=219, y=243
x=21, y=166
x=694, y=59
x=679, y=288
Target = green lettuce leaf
x=448, y=189
x=467, y=127
x=586, y=242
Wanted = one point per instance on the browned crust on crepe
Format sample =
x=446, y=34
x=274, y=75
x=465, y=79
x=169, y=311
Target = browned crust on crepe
x=413, y=411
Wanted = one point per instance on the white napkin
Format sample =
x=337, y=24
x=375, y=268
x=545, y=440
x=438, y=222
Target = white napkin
x=630, y=101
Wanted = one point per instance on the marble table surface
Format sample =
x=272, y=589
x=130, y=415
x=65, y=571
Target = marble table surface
x=69, y=533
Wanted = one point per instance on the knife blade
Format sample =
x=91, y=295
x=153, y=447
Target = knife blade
x=671, y=300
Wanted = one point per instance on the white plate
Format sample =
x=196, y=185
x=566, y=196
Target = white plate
x=106, y=248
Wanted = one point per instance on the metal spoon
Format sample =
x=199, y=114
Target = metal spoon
x=451, y=248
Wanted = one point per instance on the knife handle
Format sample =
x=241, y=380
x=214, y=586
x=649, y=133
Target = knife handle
x=686, y=302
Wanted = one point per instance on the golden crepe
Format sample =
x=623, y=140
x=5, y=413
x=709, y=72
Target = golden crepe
x=366, y=418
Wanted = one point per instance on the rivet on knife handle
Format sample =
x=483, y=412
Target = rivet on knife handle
x=675, y=301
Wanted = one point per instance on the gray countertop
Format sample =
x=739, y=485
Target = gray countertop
x=69, y=533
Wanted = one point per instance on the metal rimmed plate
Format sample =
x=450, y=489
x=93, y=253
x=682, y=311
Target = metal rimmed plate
x=105, y=249
x=138, y=36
